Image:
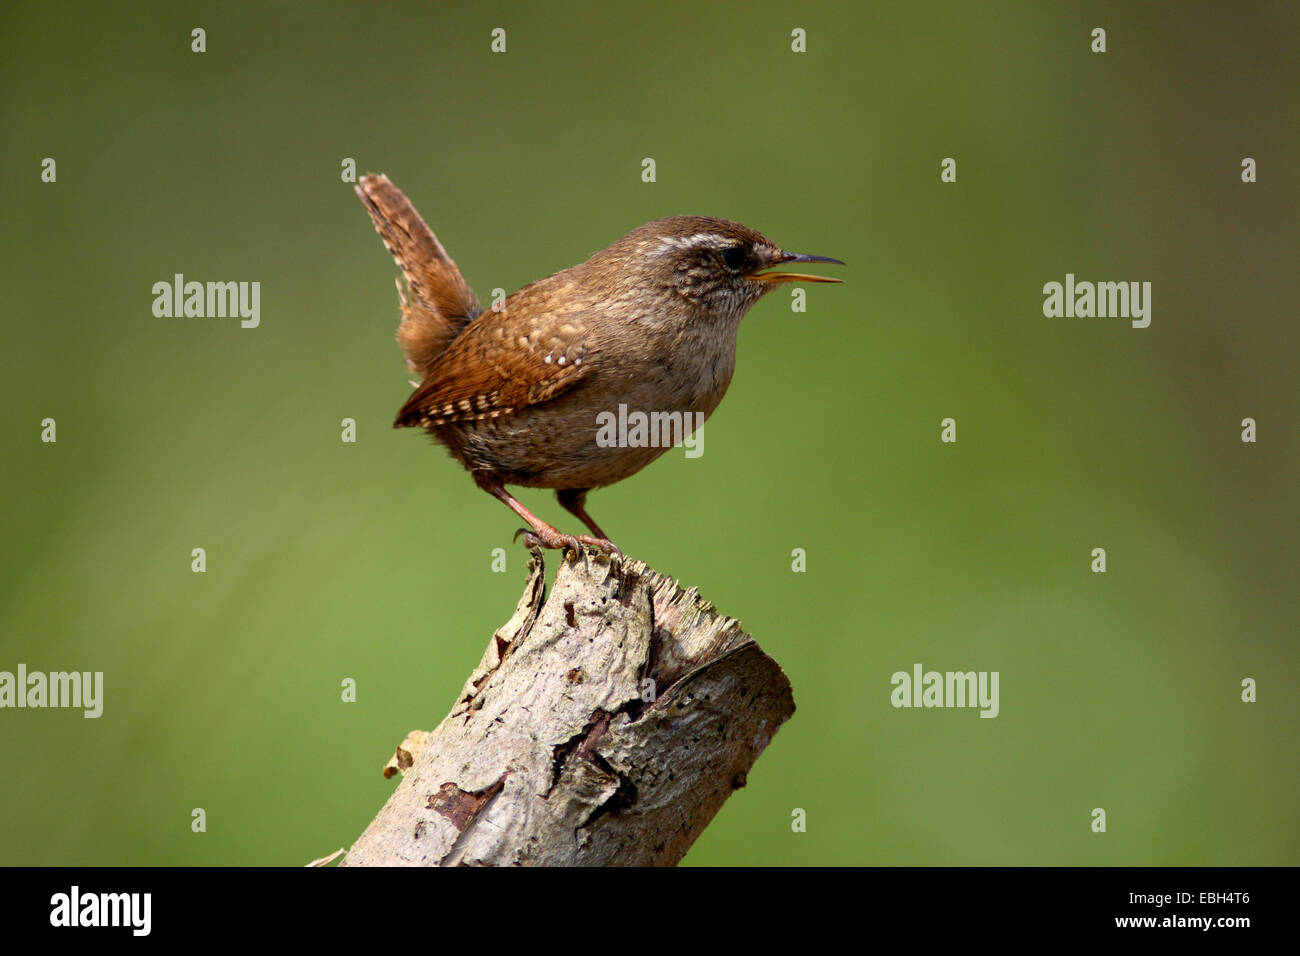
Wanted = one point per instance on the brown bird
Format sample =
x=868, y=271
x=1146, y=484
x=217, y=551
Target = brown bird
x=519, y=393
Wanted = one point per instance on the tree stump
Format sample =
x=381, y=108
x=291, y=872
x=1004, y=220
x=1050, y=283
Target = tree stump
x=606, y=725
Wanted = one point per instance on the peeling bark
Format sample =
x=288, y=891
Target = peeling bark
x=605, y=726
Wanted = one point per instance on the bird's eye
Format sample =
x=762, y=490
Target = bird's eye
x=734, y=257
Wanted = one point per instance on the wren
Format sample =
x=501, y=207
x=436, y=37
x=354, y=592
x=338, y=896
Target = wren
x=516, y=392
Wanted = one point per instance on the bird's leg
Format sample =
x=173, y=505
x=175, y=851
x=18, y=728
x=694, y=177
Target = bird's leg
x=546, y=535
x=574, y=501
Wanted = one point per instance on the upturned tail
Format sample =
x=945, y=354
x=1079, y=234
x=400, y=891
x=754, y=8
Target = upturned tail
x=437, y=301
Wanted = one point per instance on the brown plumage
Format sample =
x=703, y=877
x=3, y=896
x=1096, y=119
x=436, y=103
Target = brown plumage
x=438, y=302
x=514, y=393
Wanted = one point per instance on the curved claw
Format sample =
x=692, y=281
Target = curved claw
x=604, y=545
x=531, y=541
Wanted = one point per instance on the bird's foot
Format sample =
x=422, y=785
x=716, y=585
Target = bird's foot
x=548, y=537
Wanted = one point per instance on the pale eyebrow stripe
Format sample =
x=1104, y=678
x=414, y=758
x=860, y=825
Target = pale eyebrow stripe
x=705, y=240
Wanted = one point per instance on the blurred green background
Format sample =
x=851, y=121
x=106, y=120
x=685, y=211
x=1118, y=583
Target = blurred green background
x=373, y=560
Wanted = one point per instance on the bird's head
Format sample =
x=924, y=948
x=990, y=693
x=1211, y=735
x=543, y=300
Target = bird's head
x=720, y=267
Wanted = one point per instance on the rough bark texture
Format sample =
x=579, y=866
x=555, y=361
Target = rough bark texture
x=559, y=750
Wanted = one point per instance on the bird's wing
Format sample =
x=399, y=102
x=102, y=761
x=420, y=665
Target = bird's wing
x=440, y=302
x=496, y=367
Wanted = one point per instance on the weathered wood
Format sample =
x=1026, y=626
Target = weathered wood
x=606, y=725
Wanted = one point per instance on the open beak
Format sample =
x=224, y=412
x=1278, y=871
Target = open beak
x=795, y=276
